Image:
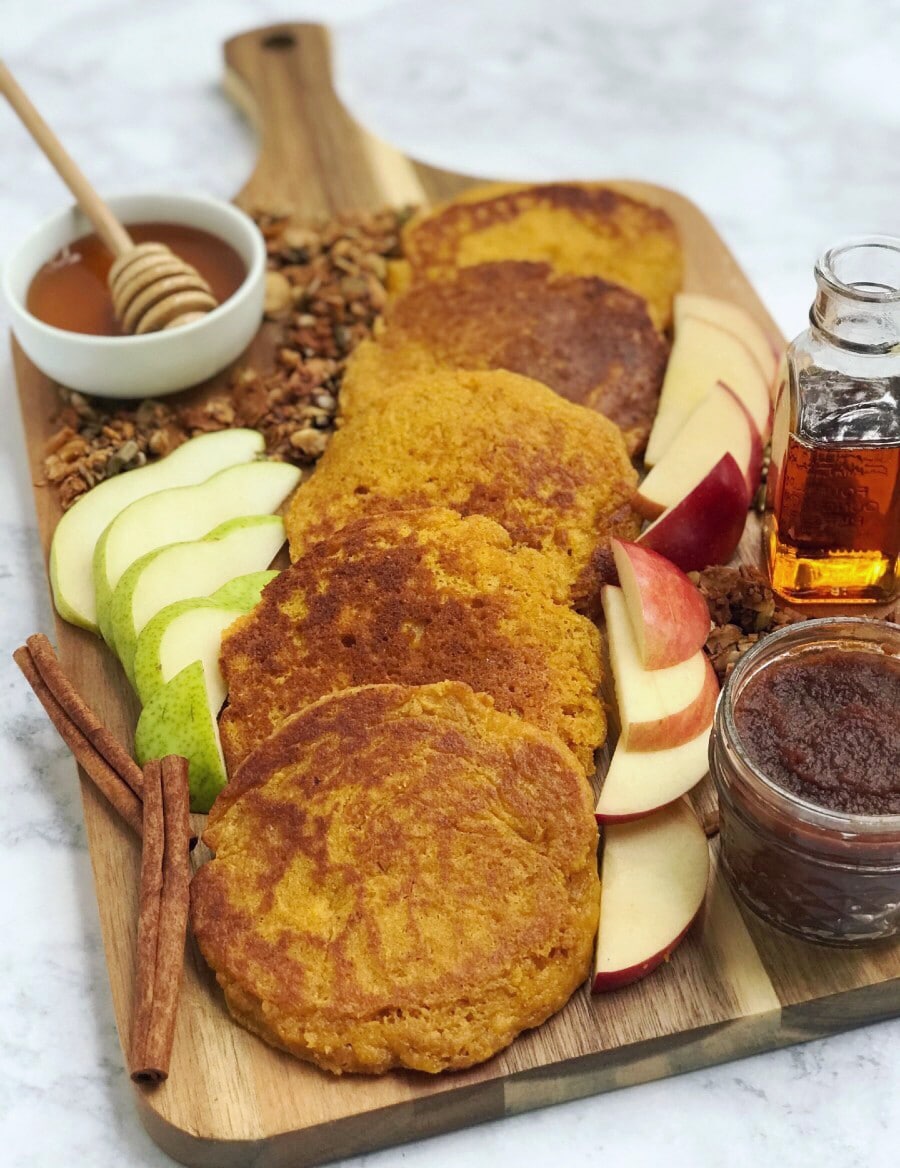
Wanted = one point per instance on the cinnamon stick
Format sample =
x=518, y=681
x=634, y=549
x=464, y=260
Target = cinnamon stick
x=96, y=766
x=162, y=923
x=103, y=741
x=149, y=905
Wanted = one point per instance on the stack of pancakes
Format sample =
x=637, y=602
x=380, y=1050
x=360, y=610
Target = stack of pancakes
x=405, y=869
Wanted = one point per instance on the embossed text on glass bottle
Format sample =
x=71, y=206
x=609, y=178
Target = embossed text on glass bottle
x=833, y=497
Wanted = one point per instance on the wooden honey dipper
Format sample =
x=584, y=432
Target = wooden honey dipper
x=151, y=287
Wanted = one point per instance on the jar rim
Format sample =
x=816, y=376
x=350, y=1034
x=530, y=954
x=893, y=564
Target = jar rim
x=862, y=292
x=802, y=635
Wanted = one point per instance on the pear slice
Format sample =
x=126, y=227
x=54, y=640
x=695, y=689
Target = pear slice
x=82, y=525
x=183, y=513
x=243, y=592
x=178, y=719
x=182, y=570
x=191, y=630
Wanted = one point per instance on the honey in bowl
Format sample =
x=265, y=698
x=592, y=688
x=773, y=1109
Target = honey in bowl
x=70, y=291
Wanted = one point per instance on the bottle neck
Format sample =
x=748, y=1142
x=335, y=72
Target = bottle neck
x=857, y=304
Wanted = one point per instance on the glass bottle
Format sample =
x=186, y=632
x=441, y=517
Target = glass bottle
x=833, y=496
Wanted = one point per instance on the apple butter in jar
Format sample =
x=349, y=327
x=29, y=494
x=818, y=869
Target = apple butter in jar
x=805, y=754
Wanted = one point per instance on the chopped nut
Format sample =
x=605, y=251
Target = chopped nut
x=73, y=449
x=310, y=442
x=80, y=404
x=301, y=239
x=71, y=489
x=278, y=294
x=159, y=443
x=58, y=440
x=743, y=608
x=290, y=357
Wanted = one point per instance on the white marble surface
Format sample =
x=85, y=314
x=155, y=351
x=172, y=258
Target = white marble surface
x=781, y=120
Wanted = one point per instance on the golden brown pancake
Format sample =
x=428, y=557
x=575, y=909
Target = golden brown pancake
x=404, y=877
x=584, y=229
x=589, y=340
x=555, y=475
x=415, y=597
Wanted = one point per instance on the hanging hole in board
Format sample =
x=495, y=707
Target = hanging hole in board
x=279, y=40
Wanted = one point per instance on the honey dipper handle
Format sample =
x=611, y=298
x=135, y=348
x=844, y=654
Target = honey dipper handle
x=104, y=221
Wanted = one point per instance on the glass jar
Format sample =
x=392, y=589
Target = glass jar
x=833, y=496
x=823, y=875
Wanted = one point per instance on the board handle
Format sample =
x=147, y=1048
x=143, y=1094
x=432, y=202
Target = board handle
x=315, y=159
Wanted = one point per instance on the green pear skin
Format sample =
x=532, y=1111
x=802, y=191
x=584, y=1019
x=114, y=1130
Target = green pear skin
x=178, y=720
x=244, y=591
x=77, y=533
x=183, y=570
x=191, y=630
x=183, y=513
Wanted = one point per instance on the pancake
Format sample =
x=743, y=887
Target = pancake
x=404, y=877
x=591, y=341
x=555, y=475
x=583, y=229
x=415, y=597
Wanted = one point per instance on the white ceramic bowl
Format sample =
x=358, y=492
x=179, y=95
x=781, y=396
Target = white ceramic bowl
x=159, y=363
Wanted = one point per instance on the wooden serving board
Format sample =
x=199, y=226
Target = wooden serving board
x=734, y=987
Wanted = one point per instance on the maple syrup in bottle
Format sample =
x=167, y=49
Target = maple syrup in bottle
x=833, y=496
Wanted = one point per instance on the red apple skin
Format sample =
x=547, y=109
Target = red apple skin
x=778, y=353
x=660, y=880
x=754, y=466
x=707, y=525
x=617, y=979
x=675, y=616
x=768, y=431
x=680, y=727
x=628, y=817
x=651, y=509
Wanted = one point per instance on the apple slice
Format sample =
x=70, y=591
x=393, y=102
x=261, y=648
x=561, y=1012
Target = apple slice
x=707, y=525
x=183, y=513
x=704, y=353
x=181, y=570
x=653, y=879
x=76, y=534
x=641, y=781
x=669, y=617
x=658, y=708
x=734, y=320
x=719, y=425
x=178, y=719
x=191, y=630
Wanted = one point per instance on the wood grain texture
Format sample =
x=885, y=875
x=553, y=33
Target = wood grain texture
x=734, y=987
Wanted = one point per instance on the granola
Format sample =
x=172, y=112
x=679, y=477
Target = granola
x=742, y=608
x=325, y=289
